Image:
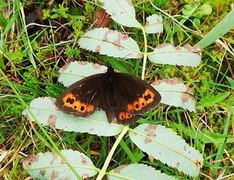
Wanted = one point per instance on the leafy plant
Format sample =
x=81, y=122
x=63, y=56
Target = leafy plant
x=158, y=141
x=197, y=11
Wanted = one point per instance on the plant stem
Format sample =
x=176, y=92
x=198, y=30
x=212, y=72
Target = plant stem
x=144, y=54
x=110, y=155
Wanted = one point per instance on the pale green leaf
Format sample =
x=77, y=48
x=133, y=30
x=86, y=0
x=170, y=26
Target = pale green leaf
x=111, y=43
x=135, y=172
x=189, y=9
x=183, y=56
x=165, y=145
x=175, y=93
x=76, y=71
x=203, y=10
x=121, y=11
x=50, y=166
x=154, y=24
x=45, y=111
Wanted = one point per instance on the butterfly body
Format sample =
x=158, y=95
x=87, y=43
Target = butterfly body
x=122, y=96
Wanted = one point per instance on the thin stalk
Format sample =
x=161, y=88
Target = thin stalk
x=144, y=54
x=111, y=153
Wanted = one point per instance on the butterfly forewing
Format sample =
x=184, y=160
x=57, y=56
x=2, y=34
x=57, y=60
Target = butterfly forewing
x=82, y=97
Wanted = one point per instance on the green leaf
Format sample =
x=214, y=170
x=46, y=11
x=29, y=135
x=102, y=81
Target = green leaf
x=154, y=24
x=165, y=145
x=121, y=11
x=136, y=171
x=188, y=10
x=203, y=10
x=111, y=43
x=175, y=93
x=182, y=56
x=76, y=71
x=211, y=137
x=47, y=114
x=50, y=166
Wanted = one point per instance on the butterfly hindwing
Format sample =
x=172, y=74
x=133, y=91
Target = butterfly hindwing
x=138, y=97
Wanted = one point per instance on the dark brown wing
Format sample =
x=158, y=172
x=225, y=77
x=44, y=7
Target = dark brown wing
x=134, y=97
x=82, y=97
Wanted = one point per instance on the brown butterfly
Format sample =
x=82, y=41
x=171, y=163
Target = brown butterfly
x=123, y=97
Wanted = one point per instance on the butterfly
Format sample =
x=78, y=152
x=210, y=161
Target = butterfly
x=123, y=97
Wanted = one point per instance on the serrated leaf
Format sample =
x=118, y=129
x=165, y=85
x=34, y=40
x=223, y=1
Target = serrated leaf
x=154, y=24
x=121, y=11
x=50, y=166
x=169, y=54
x=136, y=171
x=111, y=43
x=47, y=114
x=165, y=145
x=76, y=71
x=175, y=93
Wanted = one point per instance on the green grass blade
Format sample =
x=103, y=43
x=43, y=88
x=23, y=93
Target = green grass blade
x=218, y=31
